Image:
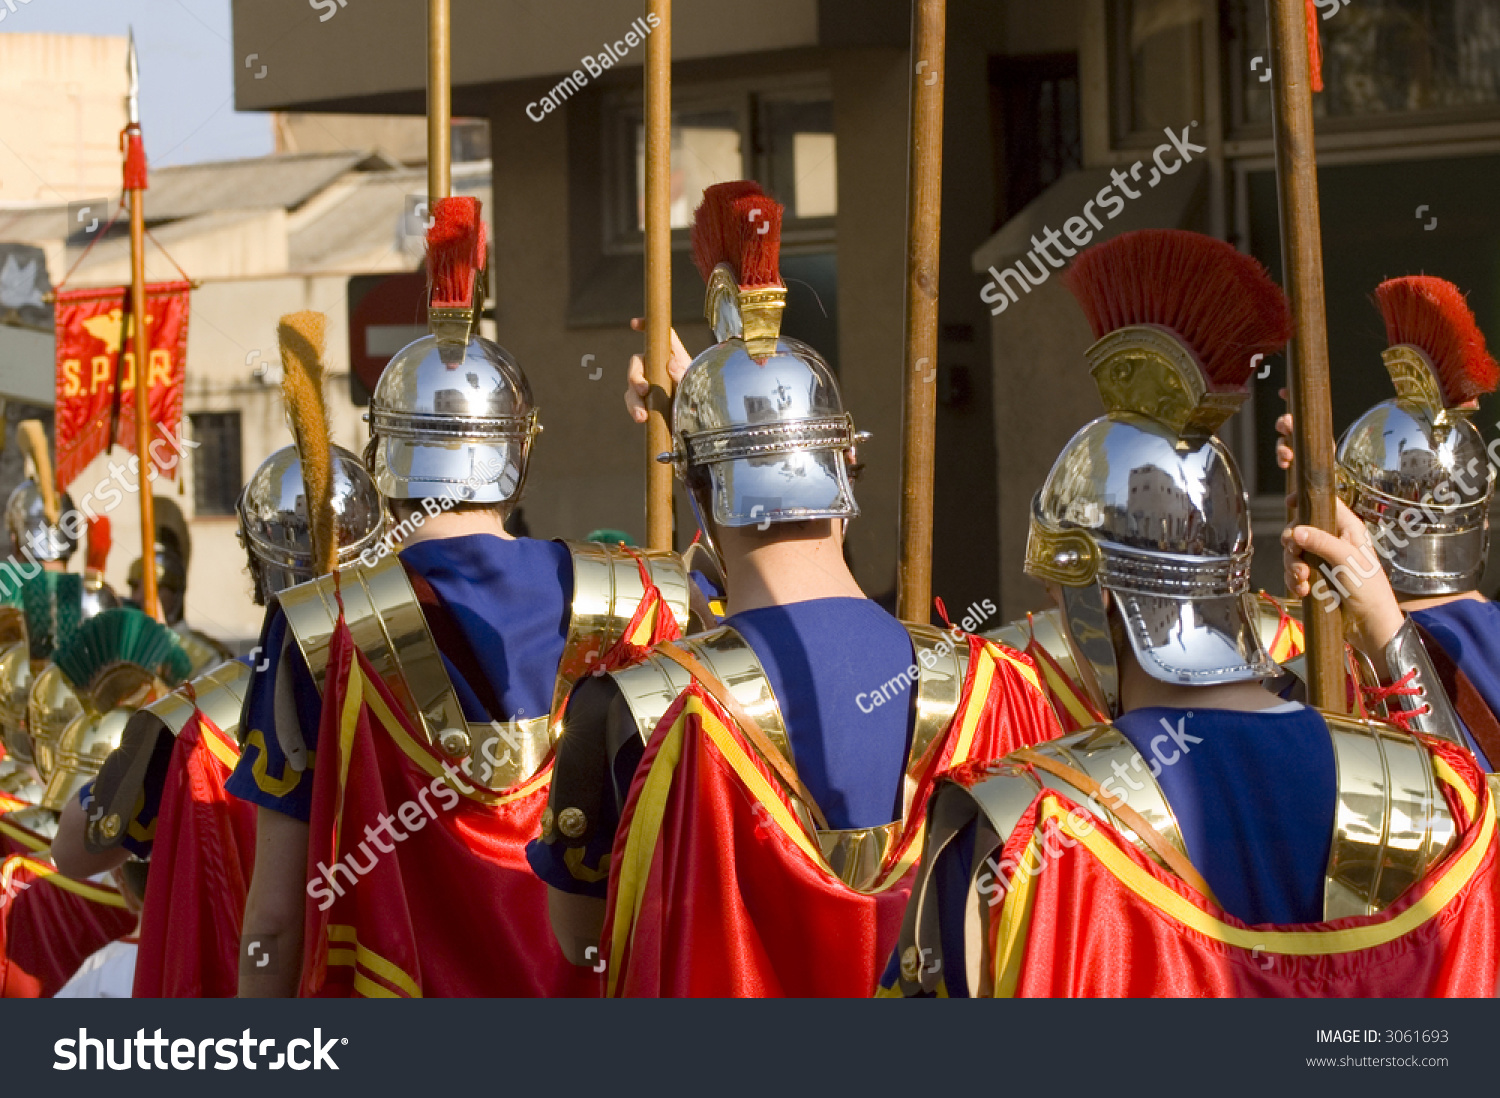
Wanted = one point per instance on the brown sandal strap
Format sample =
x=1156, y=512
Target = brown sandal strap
x=748, y=728
x=1173, y=858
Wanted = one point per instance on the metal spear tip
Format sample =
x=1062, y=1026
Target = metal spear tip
x=133, y=85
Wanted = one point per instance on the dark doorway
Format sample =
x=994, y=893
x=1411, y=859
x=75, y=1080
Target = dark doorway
x=1036, y=128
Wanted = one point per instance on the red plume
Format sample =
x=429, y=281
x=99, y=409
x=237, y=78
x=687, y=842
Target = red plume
x=99, y=543
x=1433, y=315
x=738, y=224
x=455, y=251
x=1218, y=301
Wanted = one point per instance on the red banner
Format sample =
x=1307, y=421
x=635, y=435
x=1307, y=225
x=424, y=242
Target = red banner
x=96, y=344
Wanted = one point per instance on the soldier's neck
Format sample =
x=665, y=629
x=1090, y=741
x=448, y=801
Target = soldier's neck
x=765, y=571
x=455, y=524
x=1408, y=605
x=1139, y=690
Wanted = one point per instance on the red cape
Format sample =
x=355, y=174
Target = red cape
x=50, y=924
x=201, y=860
x=453, y=908
x=715, y=887
x=1163, y=938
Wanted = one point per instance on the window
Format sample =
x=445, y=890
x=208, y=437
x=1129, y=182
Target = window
x=1381, y=57
x=781, y=136
x=1156, y=65
x=1035, y=121
x=216, y=462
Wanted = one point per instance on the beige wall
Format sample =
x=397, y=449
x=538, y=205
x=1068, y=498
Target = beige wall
x=76, y=83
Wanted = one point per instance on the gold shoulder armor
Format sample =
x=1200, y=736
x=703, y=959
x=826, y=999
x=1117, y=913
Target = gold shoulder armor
x=855, y=854
x=607, y=591
x=220, y=695
x=387, y=624
x=1391, y=823
x=1047, y=627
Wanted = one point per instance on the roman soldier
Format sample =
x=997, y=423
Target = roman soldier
x=1416, y=472
x=119, y=661
x=160, y=796
x=1210, y=839
x=417, y=686
x=741, y=813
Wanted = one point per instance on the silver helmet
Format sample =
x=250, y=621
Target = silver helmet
x=759, y=430
x=26, y=520
x=452, y=422
x=763, y=441
x=1416, y=459
x=274, y=527
x=1163, y=525
x=1145, y=503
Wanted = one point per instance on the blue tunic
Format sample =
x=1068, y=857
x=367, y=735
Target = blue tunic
x=1253, y=793
x=842, y=671
x=1468, y=631
x=511, y=600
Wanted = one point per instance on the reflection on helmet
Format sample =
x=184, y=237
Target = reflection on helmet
x=274, y=527
x=1163, y=524
x=763, y=442
x=1397, y=463
x=456, y=425
x=30, y=532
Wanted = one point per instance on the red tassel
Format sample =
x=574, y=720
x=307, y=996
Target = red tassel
x=1314, y=49
x=99, y=543
x=135, y=159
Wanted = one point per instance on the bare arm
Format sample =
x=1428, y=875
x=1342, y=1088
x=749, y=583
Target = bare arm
x=271, y=940
x=578, y=922
x=72, y=857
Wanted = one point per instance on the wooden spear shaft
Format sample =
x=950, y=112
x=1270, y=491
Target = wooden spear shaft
x=924, y=223
x=658, y=272
x=142, y=400
x=439, y=102
x=1307, y=369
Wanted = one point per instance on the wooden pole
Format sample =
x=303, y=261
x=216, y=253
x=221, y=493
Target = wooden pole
x=658, y=272
x=924, y=223
x=439, y=102
x=141, y=342
x=1307, y=359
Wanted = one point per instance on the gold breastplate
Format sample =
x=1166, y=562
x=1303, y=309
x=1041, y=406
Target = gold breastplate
x=855, y=854
x=120, y=787
x=386, y=621
x=1391, y=822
